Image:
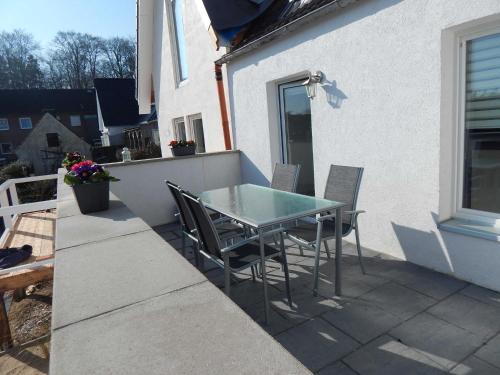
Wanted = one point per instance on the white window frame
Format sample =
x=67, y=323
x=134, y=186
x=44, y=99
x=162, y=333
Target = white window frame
x=192, y=135
x=7, y=122
x=489, y=218
x=71, y=117
x=11, y=148
x=176, y=121
x=174, y=45
x=25, y=118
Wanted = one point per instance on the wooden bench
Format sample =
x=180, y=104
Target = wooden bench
x=36, y=229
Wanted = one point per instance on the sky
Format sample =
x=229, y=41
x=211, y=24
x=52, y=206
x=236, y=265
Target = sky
x=44, y=18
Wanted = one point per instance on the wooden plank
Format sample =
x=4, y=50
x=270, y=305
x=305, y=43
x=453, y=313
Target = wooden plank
x=25, y=278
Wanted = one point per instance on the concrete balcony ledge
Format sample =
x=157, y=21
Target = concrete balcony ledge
x=125, y=302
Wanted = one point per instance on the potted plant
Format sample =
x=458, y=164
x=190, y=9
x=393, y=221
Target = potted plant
x=182, y=148
x=71, y=159
x=90, y=183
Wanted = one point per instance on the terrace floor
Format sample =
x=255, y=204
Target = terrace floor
x=397, y=319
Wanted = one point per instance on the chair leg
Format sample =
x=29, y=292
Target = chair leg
x=253, y=273
x=301, y=251
x=196, y=251
x=183, y=244
x=358, y=247
x=227, y=276
x=285, y=269
x=327, y=249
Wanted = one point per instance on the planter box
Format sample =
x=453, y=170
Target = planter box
x=92, y=197
x=183, y=151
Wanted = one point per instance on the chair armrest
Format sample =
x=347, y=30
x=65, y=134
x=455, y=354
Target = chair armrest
x=357, y=212
x=332, y=216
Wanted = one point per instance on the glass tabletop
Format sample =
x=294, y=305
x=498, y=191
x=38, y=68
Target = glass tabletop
x=260, y=206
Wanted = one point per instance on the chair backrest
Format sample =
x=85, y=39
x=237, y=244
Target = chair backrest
x=343, y=185
x=205, y=228
x=185, y=216
x=285, y=177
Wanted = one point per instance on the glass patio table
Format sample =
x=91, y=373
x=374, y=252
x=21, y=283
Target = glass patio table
x=261, y=208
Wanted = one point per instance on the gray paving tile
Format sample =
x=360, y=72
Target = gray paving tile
x=430, y=283
x=164, y=228
x=338, y=368
x=362, y=320
x=468, y=313
x=445, y=343
x=491, y=352
x=354, y=283
x=316, y=343
x=166, y=235
x=163, y=336
x=387, y=356
x=300, y=278
x=475, y=366
x=398, y=300
x=250, y=293
x=304, y=306
x=276, y=324
x=487, y=296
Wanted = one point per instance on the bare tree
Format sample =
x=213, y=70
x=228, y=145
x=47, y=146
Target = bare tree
x=119, y=61
x=76, y=57
x=19, y=61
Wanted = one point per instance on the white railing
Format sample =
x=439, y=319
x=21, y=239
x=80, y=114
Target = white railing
x=10, y=210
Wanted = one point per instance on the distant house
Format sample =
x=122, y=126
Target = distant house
x=48, y=142
x=145, y=133
x=117, y=109
x=22, y=110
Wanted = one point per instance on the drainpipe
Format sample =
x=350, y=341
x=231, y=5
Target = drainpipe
x=223, y=107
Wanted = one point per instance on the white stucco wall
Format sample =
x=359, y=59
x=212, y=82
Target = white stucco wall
x=380, y=108
x=142, y=183
x=198, y=94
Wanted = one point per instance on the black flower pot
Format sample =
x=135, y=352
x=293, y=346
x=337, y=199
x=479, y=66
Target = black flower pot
x=184, y=150
x=92, y=197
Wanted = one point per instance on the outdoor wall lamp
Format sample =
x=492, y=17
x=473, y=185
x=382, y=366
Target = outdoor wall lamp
x=311, y=82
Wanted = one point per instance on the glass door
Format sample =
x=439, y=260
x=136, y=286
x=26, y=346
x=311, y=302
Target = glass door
x=296, y=133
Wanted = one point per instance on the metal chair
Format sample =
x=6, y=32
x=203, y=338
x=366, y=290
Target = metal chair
x=342, y=185
x=285, y=177
x=236, y=257
x=224, y=227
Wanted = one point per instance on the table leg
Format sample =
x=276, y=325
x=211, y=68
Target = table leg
x=338, y=251
x=263, y=270
x=317, y=254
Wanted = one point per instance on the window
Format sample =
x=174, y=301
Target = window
x=479, y=165
x=75, y=120
x=25, y=123
x=179, y=52
x=4, y=124
x=6, y=148
x=179, y=129
x=196, y=128
x=52, y=139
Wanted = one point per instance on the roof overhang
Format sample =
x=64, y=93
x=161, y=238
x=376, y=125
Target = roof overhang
x=144, y=63
x=280, y=31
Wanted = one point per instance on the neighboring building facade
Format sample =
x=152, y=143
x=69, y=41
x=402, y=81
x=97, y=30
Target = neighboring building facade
x=176, y=63
x=409, y=92
x=47, y=144
x=21, y=111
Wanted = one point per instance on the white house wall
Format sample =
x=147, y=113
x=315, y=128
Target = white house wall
x=380, y=108
x=198, y=94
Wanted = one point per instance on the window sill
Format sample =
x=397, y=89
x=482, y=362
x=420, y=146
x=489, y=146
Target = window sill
x=471, y=228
